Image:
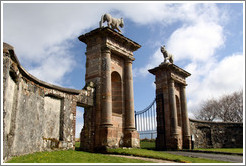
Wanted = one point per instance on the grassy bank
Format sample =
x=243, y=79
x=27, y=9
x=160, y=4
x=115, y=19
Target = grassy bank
x=147, y=144
x=161, y=155
x=71, y=156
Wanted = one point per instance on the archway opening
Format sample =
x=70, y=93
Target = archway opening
x=117, y=102
x=117, y=107
x=79, y=125
x=178, y=111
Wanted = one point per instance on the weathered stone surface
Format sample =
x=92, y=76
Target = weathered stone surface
x=172, y=118
x=37, y=116
x=109, y=56
x=216, y=134
x=174, y=129
x=112, y=22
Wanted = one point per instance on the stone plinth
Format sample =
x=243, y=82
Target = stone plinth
x=173, y=130
x=111, y=123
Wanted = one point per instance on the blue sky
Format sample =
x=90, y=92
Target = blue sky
x=206, y=40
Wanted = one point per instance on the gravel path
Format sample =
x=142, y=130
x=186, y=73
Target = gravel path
x=221, y=157
x=144, y=158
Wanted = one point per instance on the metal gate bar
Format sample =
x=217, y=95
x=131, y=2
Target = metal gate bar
x=145, y=121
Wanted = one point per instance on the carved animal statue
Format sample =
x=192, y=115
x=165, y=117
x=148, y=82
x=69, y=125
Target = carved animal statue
x=166, y=55
x=113, y=22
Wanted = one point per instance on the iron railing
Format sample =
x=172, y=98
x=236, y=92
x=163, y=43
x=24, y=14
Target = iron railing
x=145, y=121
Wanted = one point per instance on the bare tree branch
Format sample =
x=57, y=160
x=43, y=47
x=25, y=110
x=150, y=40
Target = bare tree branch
x=228, y=108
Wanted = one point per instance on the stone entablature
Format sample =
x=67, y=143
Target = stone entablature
x=111, y=123
x=108, y=38
x=174, y=72
x=37, y=116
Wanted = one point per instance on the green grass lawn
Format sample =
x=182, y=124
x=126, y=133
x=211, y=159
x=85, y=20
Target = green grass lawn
x=71, y=156
x=161, y=155
x=230, y=150
x=147, y=144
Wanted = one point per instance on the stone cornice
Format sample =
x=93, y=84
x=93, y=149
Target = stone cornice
x=133, y=46
x=213, y=122
x=170, y=67
x=111, y=39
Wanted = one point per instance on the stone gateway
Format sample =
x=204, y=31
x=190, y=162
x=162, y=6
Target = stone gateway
x=38, y=116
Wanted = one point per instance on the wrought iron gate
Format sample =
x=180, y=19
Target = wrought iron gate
x=145, y=121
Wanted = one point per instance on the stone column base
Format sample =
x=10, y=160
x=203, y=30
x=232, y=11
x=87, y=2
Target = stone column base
x=160, y=142
x=187, y=142
x=174, y=143
x=107, y=139
x=131, y=138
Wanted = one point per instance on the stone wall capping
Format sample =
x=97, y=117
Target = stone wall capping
x=33, y=78
x=209, y=122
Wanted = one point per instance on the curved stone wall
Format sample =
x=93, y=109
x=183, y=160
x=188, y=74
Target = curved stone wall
x=37, y=116
x=207, y=134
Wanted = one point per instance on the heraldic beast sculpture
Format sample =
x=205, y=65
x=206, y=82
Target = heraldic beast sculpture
x=114, y=23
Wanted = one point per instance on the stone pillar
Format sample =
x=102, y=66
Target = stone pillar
x=174, y=121
x=129, y=98
x=106, y=113
x=106, y=52
x=185, y=120
x=167, y=77
x=131, y=136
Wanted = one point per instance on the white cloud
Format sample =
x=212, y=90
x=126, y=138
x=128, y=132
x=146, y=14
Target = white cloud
x=42, y=34
x=79, y=127
x=201, y=34
x=50, y=70
x=154, y=61
x=35, y=28
x=230, y=72
x=167, y=13
x=79, y=113
x=219, y=78
x=197, y=42
x=79, y=121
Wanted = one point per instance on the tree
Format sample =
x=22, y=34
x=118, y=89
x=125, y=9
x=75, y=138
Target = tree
x=208, y=110
x=228, y=108
x=231, y=107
